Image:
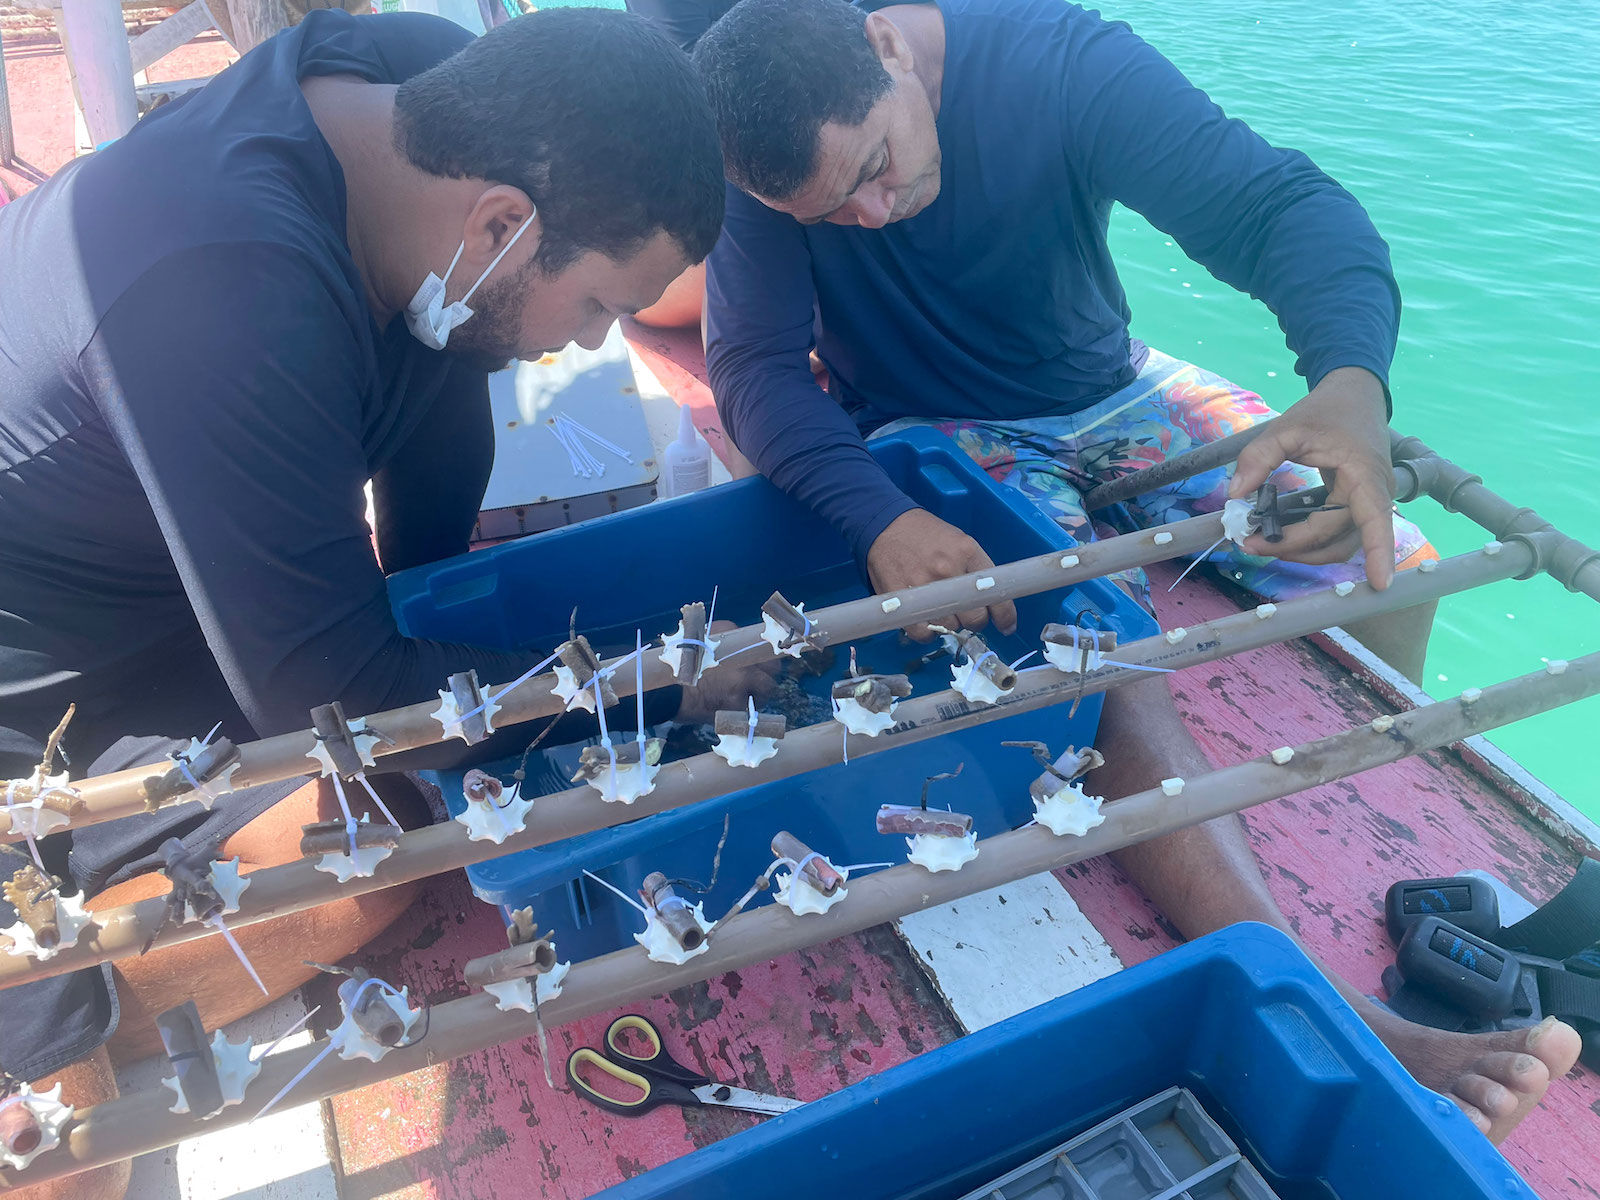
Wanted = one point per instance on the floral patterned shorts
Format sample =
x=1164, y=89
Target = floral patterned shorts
x=1171, y=408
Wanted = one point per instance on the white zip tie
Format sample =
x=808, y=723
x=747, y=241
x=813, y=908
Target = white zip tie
x=377, y=799
x=638, y=692
x=182, y=763
x=972, y=666
x=1023, y=659
x=326, y=1050
x=860, y=866
x=515, y=683
x=605, y=734
x=288, y=1087
x=33, y=846
x=227, y=936
x=350, y=823
x=1106, y=662
x=286, y=1033
x=1200, y=558
x=618, y=891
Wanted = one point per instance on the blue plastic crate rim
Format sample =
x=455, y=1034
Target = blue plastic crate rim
x=1242, y=1018
x=484, y=598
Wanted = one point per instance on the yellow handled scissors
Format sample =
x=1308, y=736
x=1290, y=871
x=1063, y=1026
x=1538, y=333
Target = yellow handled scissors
x=655, y=1078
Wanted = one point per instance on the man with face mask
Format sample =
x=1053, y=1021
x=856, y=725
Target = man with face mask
x=928, y=187
x=213, y=334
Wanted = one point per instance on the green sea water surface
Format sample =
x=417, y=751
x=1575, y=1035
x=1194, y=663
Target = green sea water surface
x=1470, y=130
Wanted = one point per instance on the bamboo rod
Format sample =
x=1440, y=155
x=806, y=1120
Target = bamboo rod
x=139, y=1123
x=293, y=887
x=284, y=756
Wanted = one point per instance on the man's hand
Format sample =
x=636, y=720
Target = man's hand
x=728, y=687
x=1340, y=428
x=919, y=548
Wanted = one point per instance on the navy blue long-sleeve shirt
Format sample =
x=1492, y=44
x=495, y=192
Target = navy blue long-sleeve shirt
x=1000, y=300
x=193, y=391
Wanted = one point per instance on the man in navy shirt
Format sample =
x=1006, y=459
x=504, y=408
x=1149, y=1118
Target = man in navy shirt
x=213, y=334
x=923, y=196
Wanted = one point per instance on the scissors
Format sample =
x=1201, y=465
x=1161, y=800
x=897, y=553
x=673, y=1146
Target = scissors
x=658, y=1078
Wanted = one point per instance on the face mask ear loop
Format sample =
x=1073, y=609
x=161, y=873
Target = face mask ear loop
x=504, y=250
x=450, y=270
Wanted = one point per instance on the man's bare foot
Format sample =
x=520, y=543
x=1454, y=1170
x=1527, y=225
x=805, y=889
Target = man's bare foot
x=1495, y=1078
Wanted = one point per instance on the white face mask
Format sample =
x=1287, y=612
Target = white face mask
x=429, y=318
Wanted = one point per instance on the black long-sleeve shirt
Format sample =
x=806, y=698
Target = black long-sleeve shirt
x=193, y=393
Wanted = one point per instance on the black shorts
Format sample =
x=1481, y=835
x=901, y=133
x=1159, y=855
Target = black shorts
x=46, y=1025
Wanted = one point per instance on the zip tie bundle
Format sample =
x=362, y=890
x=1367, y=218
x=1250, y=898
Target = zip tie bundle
x=572, y=435
x=581, y=430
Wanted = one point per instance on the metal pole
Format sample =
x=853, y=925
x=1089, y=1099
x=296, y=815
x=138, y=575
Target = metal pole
x=8, y=137
x=295, y=886
x=284, y=756
x=101, y=63
x=1195, y=462
x=139, y=1123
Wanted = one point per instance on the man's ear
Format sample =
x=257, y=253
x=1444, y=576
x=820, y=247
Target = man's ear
x=885, y=38
x=494, y=220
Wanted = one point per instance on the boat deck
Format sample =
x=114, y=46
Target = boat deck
x=810, y=1023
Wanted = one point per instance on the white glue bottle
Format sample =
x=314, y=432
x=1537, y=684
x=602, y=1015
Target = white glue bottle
x=686, y=462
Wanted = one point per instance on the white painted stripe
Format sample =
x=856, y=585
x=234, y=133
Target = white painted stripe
x=1004, y=951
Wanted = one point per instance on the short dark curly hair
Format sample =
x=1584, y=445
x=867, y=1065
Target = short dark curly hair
x=595, y=114
x=776, y=71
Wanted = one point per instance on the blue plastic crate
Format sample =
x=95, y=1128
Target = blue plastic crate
x=747, y=539
x=1241, y=1018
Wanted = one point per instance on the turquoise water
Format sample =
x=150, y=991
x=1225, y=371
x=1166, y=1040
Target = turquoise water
x=1471, y=132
